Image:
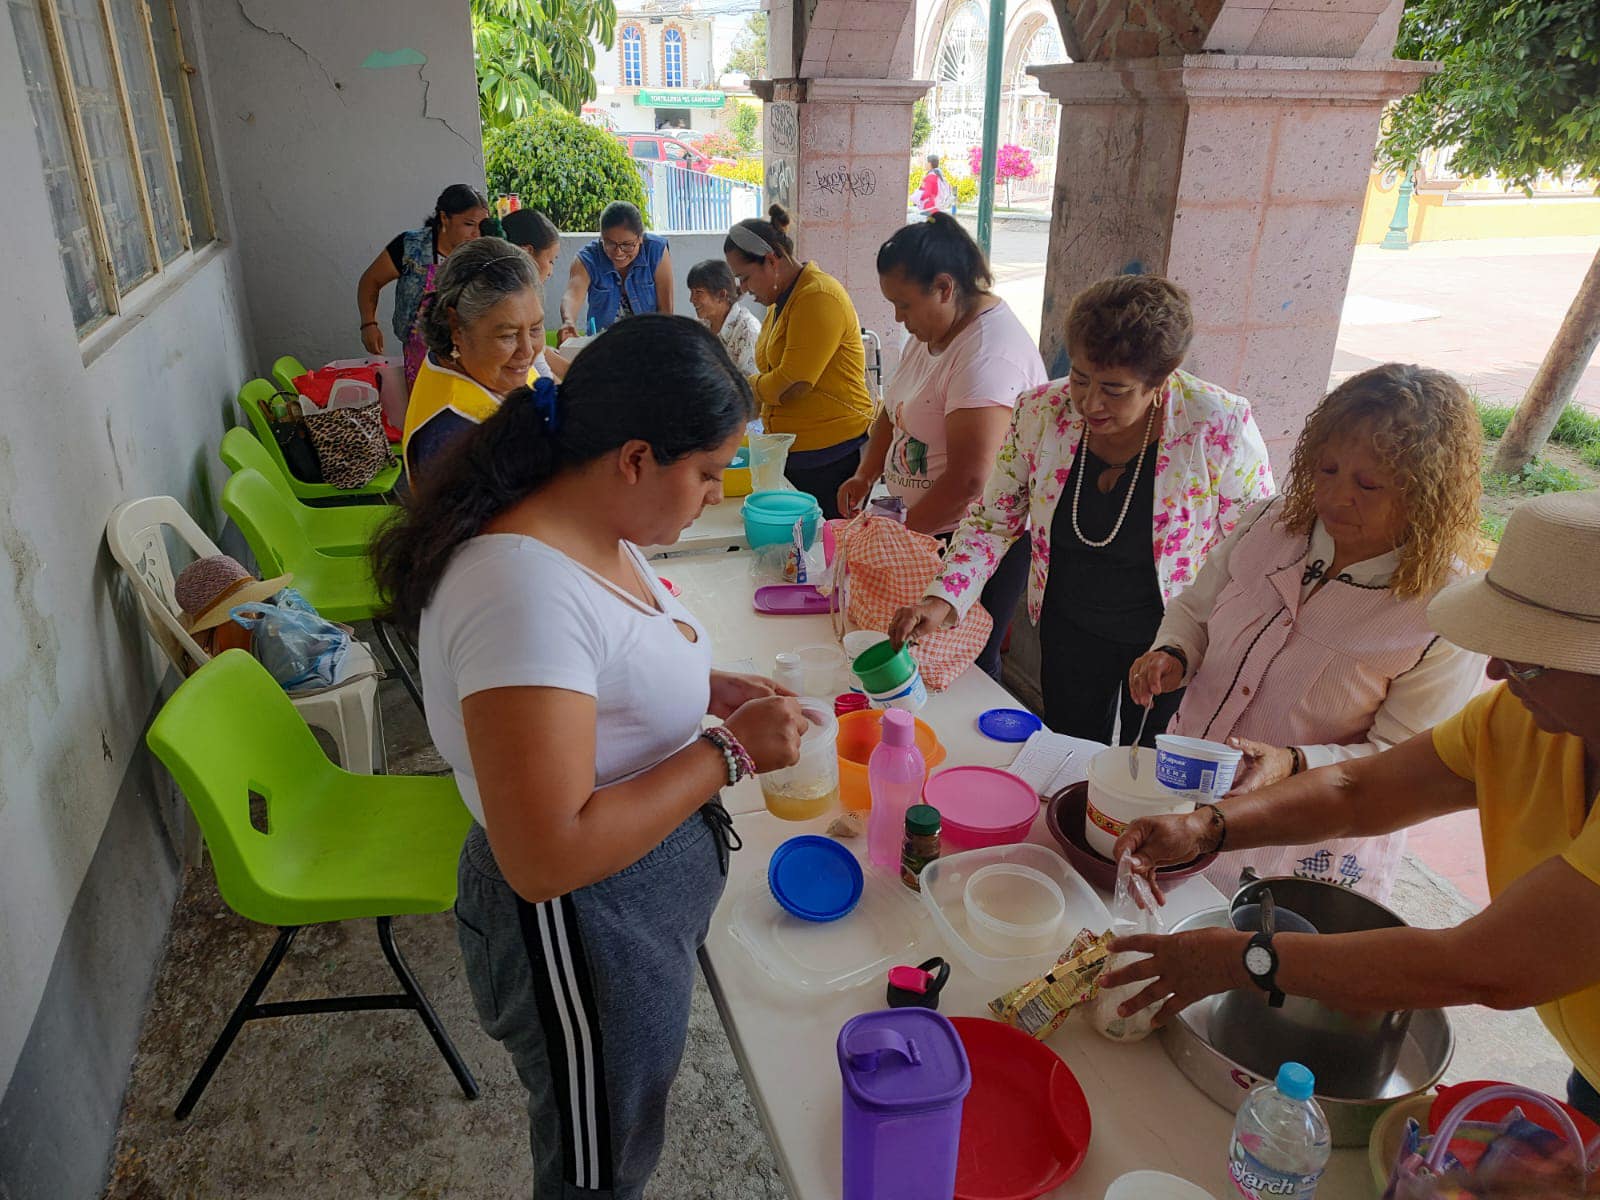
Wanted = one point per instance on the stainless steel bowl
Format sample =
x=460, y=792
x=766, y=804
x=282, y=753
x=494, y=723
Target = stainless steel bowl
x=1424, y=1055
x=1350, y=1053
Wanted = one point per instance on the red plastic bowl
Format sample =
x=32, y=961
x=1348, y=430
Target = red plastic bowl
x=1063, y=816
x=981, y=806
x=1495, y=1110
x=1025, y=1125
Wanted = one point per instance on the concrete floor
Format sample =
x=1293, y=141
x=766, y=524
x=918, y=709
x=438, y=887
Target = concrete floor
x=361, y=1105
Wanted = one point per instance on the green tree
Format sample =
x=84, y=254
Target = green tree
x=565, y=168
x=921, y=124
x=749, y=54
x=1518, y=96
x=746, y=125
x=537, y=52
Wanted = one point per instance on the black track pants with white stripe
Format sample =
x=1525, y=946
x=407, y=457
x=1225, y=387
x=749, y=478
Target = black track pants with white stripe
x=590, y=994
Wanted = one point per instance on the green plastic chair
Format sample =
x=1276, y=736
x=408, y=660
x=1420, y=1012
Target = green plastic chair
x=250, y=396
x=296, y=841
x=340, y=530
x=340, y=587
x=286, y=370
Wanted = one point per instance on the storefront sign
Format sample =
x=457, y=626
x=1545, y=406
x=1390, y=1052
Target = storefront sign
x=681, y=98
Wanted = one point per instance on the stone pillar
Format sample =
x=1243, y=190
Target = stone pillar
x=1240, y=177
x=837, y=158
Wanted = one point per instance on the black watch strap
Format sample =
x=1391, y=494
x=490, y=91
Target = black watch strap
x=1267, y=982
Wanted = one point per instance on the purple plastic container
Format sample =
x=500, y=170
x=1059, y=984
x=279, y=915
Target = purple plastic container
x=905, y=1077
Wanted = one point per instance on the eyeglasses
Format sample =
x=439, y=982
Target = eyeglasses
x=619, y=247
x=1522, y=674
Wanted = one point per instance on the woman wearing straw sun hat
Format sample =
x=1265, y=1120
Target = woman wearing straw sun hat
x=1525, y=754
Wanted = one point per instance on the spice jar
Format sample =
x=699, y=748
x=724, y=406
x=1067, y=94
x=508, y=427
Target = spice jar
x=921, y=845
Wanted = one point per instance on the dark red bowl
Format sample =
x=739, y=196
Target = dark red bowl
x=1064, y=816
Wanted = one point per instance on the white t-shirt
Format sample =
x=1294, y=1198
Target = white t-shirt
x=739, y=332
x=989, y=364
x=514, y=612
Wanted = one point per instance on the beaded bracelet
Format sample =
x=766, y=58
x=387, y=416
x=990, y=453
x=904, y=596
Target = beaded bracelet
x=734, y=754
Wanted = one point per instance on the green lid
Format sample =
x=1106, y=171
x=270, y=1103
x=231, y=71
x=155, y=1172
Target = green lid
x=922, y=820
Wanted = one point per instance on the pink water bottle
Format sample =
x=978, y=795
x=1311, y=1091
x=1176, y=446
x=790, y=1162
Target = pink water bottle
x=895, y=775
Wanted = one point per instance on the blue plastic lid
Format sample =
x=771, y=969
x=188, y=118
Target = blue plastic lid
x=1296, y=1082
x=1009, y=724
x=814, y=878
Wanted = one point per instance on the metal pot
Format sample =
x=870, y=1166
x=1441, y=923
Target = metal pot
x=1424, y=1055
x=1352, y=1054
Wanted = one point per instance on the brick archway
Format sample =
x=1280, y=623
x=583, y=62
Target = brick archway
x=1101, y=30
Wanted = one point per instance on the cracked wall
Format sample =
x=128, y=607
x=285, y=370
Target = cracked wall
x=340, y=124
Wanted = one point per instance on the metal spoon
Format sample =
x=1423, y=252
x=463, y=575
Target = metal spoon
x=1133, y=750
x=1269, y=913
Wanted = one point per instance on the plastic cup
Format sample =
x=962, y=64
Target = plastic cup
x=883, y=669
x=822, y=670
x=1199, y=768
x=858, y=641
x=810, y=788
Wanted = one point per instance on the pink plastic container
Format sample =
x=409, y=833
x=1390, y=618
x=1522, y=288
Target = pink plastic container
x=981, y=806
x=906, y=1078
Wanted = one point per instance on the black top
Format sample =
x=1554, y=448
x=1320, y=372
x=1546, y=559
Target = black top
x=1109, y=591
x=397, y=249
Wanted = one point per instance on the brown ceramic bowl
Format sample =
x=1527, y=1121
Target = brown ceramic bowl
x=1064, y=815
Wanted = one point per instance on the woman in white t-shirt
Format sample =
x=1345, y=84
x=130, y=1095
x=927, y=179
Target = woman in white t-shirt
x=566, y=689
x=948, y=404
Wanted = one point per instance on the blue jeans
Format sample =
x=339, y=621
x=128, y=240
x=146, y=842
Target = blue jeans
x=1581, y=1094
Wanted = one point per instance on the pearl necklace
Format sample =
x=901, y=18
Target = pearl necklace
x=1127, y=501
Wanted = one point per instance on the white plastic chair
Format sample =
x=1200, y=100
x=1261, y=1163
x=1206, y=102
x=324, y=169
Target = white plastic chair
x=348, y=711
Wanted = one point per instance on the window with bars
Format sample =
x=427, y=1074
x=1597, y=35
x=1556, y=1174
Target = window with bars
x=632, y=56
x=672, y=58
x=114, y=118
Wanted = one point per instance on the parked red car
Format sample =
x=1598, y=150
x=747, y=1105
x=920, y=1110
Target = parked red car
x=663, y=147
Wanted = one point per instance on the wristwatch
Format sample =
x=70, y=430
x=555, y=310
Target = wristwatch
x=1261, y=964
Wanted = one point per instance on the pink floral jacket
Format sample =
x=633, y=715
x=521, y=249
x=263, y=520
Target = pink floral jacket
x=1211, y=466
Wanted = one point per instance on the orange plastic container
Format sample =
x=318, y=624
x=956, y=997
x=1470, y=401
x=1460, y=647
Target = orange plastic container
x=859, y=734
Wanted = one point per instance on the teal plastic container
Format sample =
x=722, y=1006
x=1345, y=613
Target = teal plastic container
x=769, y=517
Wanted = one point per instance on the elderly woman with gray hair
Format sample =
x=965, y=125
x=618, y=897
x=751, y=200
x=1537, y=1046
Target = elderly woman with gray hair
x=484, y=327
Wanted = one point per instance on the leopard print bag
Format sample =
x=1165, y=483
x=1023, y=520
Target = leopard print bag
x=350, y=444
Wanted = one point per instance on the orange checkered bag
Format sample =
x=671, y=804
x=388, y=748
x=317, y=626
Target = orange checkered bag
x=880, y=567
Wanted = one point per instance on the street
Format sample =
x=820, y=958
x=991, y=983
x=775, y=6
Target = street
x=1483, y=310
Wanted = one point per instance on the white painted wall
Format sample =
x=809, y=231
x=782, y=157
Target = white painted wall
x=331, y=154
x=77, y=676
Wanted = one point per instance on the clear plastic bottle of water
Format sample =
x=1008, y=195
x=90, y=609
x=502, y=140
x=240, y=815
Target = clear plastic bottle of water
x=1280, y=1139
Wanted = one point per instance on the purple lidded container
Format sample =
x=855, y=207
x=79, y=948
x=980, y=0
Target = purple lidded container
x=905, y=1077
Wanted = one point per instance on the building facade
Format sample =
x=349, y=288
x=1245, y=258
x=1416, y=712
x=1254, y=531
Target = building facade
x=659, y=72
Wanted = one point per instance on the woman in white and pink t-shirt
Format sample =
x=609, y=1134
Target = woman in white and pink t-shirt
x=948, y=405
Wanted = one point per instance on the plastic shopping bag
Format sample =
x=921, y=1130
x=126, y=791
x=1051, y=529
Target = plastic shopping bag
x=298, y=647
x=1133, y=911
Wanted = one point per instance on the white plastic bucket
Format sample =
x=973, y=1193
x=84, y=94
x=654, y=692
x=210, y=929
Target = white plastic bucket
x=1117, y=799
x=1197, y=768
x=910, y=695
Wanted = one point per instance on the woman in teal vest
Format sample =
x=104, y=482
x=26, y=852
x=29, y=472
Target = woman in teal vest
x=408, y=262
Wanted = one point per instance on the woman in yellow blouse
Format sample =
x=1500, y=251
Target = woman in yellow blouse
x=811, y=376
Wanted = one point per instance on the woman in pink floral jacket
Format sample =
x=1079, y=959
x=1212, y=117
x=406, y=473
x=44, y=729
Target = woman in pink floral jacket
x=1123, y=476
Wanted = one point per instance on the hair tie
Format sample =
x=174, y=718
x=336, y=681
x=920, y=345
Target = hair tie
x=545, y=396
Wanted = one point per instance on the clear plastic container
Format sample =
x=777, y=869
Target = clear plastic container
x=887, y=927
x=1281, y=1140
x=1013, y=909
x=944, y=884
x=810, y=788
